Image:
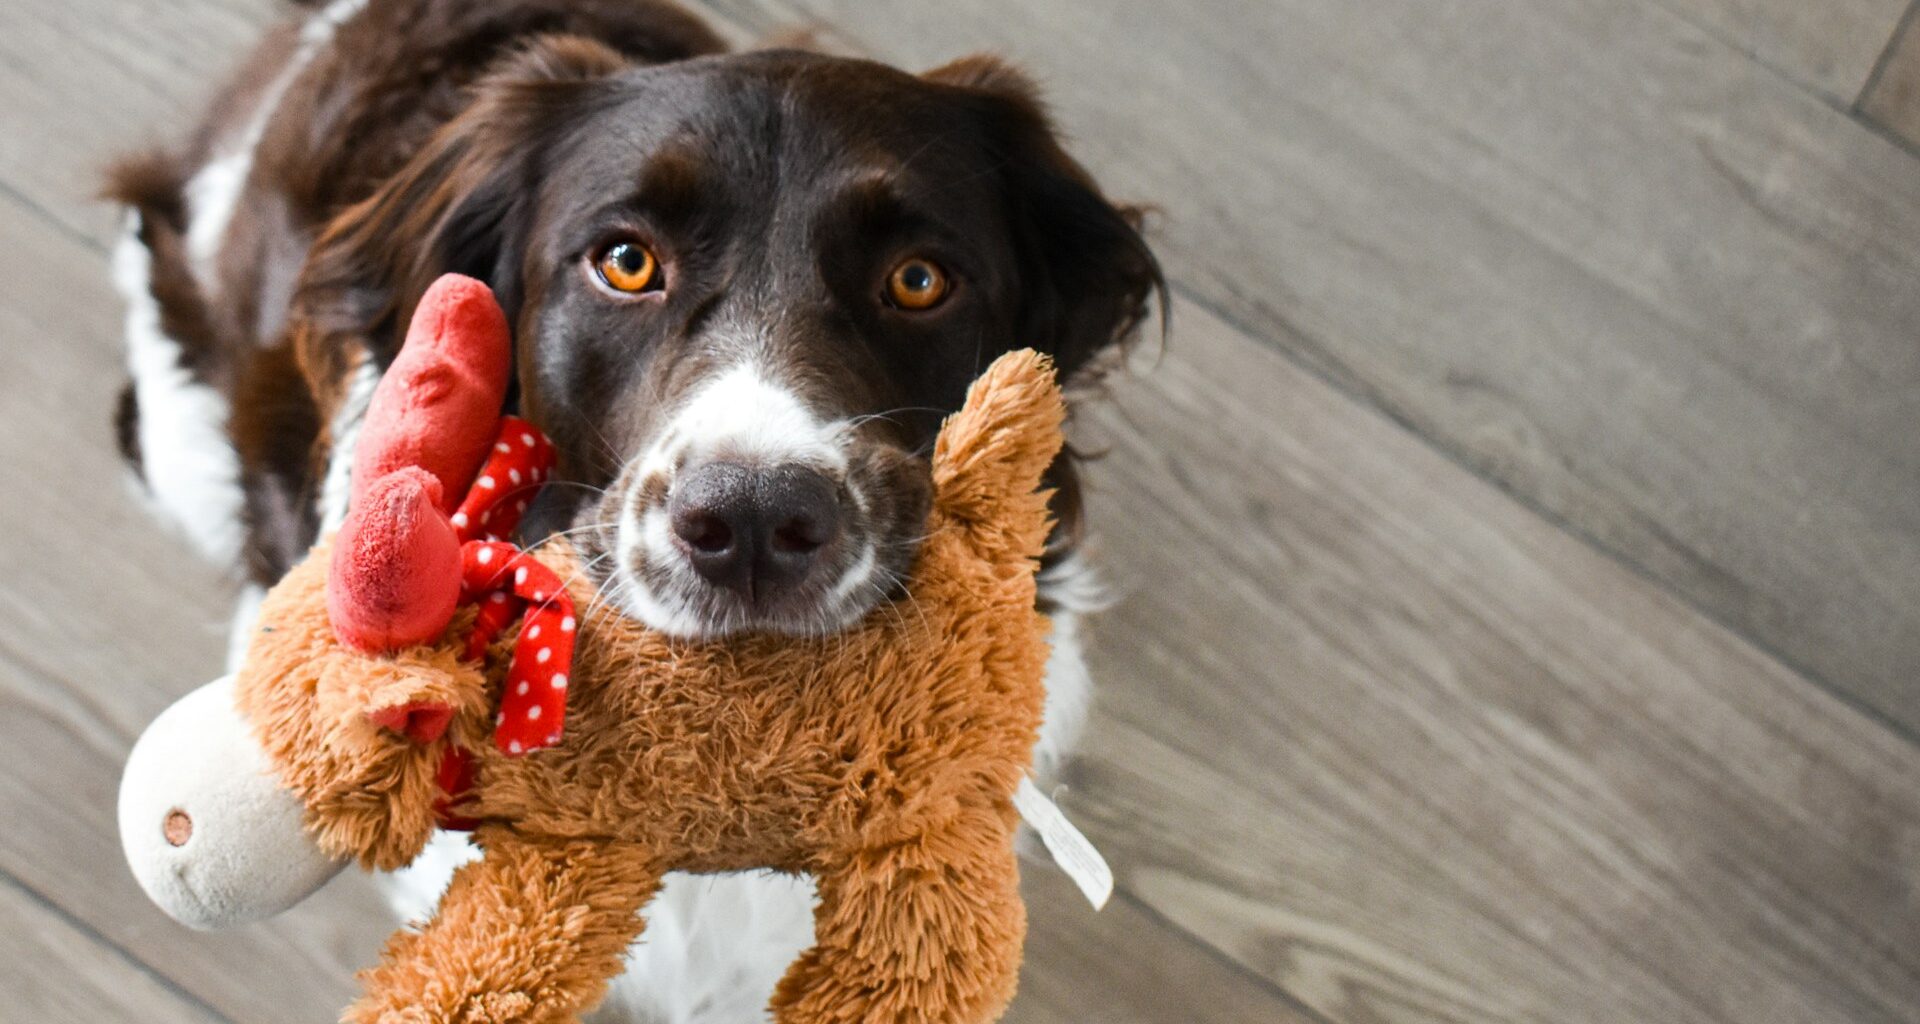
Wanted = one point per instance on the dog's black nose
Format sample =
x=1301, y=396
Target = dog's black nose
x=754, y=531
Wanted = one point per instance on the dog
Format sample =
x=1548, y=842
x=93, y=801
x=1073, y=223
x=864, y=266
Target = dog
x=745, y=288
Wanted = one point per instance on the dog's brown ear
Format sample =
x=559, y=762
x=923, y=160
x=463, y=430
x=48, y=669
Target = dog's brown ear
x=1089, y=274
x=987, y=73
x=457, y=206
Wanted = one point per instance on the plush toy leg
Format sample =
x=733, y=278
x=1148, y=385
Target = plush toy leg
x=927, y=931
x=530, y=933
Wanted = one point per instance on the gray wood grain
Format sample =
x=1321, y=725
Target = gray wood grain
x=89, y=80
x=51, y=970
x=1650, y=287
x=1414, y=754
x=1124, y=966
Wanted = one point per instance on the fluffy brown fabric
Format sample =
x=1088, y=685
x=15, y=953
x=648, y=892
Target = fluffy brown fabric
x=881, y=760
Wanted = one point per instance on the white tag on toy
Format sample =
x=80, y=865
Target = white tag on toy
x=1071, y=850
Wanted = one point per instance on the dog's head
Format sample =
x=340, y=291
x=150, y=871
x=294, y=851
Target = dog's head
x=746, y=290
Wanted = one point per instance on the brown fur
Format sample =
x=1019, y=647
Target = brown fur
x=881, y=760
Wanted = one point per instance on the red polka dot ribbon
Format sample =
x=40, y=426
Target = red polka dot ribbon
x=508, y=583
x=519, y=463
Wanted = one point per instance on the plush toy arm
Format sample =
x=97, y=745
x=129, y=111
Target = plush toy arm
x=990, y=456
x=928, y=930
x=531, y=933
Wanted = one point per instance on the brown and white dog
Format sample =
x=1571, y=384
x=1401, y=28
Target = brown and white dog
x=745, y=290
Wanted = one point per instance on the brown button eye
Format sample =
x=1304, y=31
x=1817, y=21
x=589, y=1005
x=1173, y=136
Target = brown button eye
x=917, y=284
x=628, y=267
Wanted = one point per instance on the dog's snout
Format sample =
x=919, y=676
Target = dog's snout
x=754, y=531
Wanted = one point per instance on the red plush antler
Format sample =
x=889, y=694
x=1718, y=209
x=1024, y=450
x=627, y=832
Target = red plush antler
x=437, y=407
x=424, y=531
x=395, y=575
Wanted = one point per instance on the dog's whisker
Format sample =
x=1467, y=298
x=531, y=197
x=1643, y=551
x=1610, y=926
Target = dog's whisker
x=561, y=534
x=589, y=488
x=853, y=423
x=608, y=592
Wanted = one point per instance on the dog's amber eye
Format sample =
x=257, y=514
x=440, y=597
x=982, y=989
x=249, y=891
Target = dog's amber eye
x=628, y=267
x=917, y=284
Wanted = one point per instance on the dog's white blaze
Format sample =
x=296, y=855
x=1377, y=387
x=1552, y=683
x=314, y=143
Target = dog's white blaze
x=744, y=414
x=191, y=469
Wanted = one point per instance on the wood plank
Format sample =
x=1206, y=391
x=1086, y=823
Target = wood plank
x=1600, y=257
x=104, y=621
x=1829, y=47
x=52, y=970
x=89, y=80
x=1892, y=101
x=1413, y=754
x=1123, y=966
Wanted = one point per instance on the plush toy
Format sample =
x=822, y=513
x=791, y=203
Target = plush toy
x=388, y=691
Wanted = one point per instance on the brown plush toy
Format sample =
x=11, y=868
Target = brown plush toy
x=881, y=760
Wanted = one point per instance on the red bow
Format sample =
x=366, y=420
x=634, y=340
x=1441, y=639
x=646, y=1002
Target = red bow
x=507, y=583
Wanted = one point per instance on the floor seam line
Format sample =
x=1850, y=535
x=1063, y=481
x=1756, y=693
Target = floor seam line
x=1885, y=57
x=1222, y=957
x=78, y=924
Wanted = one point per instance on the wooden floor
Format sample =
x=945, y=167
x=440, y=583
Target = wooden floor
x=1519, y=538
